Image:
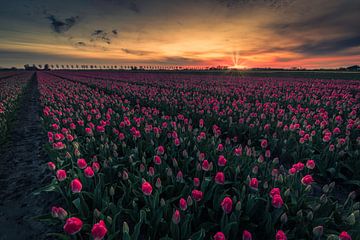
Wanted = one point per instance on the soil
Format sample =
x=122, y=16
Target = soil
x=22, y=171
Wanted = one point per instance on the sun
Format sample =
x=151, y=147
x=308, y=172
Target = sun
x=237, y=66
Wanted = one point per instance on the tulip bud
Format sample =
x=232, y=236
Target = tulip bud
x=325, y=188
x=97, y=213
x=318, y=231
x=162, y=202
x=284, y=218
x=331, y=186
x=142, y=168
x=238, y=206
x=175, y=163
x=158, y=183
x=356, y=213
x=176, y=217
x=332, y=237
x=275, y=161
x=351, y=219
x=189, y=201
x=125, y=175
x=109, y=219
x=112, y=191
x=169, y=172
x=125, y=227
x=287, y=192
x=299, y=214
x=310, y=215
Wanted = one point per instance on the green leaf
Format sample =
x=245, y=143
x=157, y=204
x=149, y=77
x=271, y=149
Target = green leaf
x=198, y=235
x=137, y=227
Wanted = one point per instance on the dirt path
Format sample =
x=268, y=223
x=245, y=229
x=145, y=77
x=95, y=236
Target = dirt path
x=22, y=170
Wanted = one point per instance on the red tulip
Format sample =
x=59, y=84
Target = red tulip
x=95, y=166
x=221, y=161
x=146, y=188
x=197, y=195
x=73, y=225
x=277, y=201
x=81, y=163
x=196, y=182
x=160, y=150
x=254, y=183
x=51, y=166
x=76, y=185
x=99, y=230
x=344, y=236
x=280, y=235
x=219, y=236
x=61, y=175
x=220, y=178
x=59, y=212
x=310, y=164
x=226, y=205
x=183, y=204
x=157, y=160
x=292, y=171
x=89, y=172
x=205, y=165
x=246, y=235
x=274, y=191
x=307, y=180
x=264, y=143
x=176, y=217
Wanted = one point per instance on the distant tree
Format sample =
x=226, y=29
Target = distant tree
x=40, y=66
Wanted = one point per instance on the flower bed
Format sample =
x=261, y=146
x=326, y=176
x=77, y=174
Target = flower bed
x=202, y=158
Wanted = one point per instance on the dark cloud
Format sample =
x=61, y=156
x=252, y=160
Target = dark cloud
x=134, y=7
x=136, y=52
x=103, y=36
x=61, y=26
x=80, y=44
x=328, y=46
x=340, y=18
x=255, y=3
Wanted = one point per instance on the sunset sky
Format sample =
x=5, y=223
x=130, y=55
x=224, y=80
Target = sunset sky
x=246, y=33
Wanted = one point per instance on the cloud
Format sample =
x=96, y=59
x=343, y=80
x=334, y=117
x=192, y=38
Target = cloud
x=61, y=26
x=136, y=52
x=80, y=44
x=103, y=36
x=276, y=4
x=134, y=7
x=328, y=46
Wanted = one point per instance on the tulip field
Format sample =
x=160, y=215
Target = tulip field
x=195, y=156
x=11, y=86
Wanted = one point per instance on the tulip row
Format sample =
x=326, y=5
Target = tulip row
x=11, y=88
x=136, y=159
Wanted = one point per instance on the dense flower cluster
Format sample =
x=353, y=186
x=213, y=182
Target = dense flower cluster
x=11, y=87
x=192, y=157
